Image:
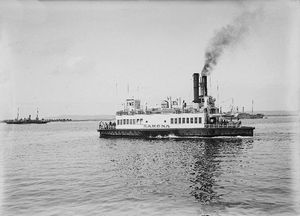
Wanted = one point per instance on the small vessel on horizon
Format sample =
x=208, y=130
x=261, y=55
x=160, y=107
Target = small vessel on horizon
x=28, y=120
x=244, y=115
x=250, y=116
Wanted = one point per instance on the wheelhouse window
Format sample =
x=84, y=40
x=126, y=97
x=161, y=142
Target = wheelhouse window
x=127, y=121
x=179, y=120
x=191, y=120
x=133, y=121
x=187, y=120
x=200, y=120
x=195, y=120
x=175, y=120
x=183, y=120
x=124, y=121
x=171, y=120
x=130, y=121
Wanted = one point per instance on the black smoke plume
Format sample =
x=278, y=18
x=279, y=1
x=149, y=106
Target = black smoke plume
x=227, y=37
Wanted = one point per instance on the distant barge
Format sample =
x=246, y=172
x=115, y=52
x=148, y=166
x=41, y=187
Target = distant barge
x=174, y=118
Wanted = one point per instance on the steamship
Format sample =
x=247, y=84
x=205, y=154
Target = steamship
x=174, y=118
x=28, y=120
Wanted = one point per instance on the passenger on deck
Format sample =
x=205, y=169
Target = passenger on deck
x=239, y=123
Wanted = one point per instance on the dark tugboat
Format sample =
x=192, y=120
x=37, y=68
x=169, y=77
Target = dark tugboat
x=27, y=120
x=174, y=118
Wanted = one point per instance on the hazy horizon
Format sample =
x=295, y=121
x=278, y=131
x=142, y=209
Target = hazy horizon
x=108, y=116
x=86, y=58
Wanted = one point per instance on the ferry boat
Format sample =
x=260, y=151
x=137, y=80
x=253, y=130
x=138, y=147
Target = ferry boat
x=174, y=118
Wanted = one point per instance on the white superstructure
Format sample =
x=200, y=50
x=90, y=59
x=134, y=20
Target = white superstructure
x=163, y=120
x=171, y=114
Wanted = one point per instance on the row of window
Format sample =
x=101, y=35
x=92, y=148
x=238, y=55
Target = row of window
x=191, y=120
x=129, y=121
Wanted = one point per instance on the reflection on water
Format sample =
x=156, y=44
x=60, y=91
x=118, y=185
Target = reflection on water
x=207, y=166
x=204, y=170
x=180, y=167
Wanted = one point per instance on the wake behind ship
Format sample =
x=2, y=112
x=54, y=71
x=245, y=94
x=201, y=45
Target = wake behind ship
x=174, y=118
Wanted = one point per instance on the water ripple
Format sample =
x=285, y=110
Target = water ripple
x=65, y=169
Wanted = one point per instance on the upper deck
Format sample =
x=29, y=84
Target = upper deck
x=168, y=106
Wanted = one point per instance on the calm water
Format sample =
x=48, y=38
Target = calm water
x=66, y=169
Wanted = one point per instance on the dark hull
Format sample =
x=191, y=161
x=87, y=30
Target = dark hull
x=26, y=122
x=250, y=116
x=192, y=132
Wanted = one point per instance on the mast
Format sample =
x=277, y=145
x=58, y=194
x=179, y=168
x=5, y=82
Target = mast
x=218, y=97
x=252, y=106
x=18, y=114
x=117, y=89
x=37, y=113
x=210, y=83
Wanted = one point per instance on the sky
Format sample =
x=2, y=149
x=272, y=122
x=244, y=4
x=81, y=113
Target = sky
x=87, y=57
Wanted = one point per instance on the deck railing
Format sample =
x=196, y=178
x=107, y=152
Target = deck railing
x=230, y=125
x=107, y=125
x=156, y=111
x=112, y=125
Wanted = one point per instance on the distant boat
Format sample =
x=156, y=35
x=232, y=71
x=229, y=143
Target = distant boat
x=27, y=120
x=244, y=115
x=250, y=116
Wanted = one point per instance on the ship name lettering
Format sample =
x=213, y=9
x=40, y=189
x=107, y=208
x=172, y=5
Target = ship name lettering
x=156, y=126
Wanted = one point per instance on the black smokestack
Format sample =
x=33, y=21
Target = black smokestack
x=226, y=37
x=196, y=87
x=204, y=85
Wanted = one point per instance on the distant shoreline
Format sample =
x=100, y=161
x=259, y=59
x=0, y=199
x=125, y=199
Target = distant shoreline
x=111, y=119
x=281, y=114
x=80, y=120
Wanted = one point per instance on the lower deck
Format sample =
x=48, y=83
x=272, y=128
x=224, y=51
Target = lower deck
x=187, y=132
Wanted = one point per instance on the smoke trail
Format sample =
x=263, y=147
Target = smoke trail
x=228, y=36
